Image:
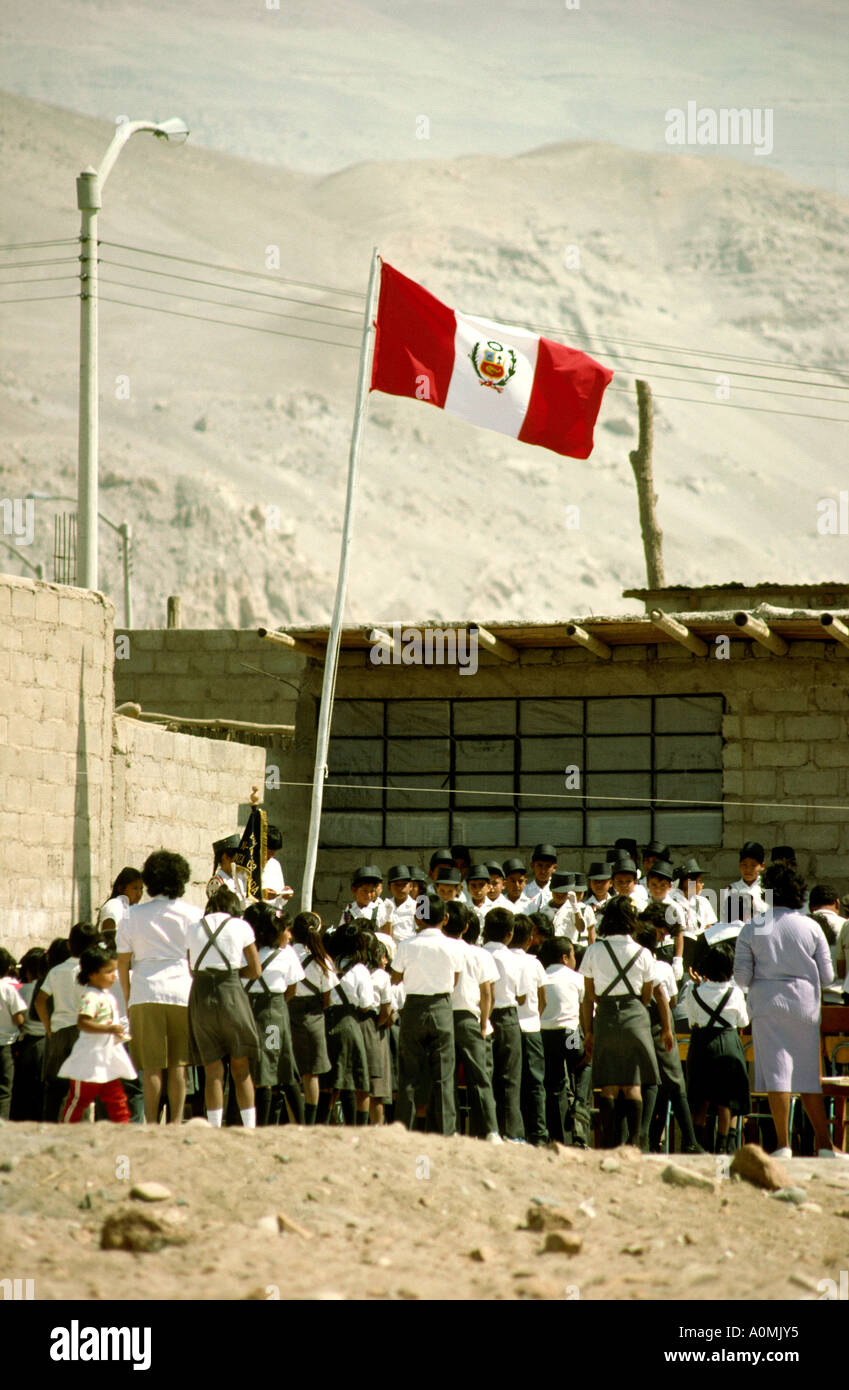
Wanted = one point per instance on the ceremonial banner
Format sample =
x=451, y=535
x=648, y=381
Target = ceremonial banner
x=251, y=851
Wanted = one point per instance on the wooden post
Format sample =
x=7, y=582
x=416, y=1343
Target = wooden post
x=641, y=462
x=174, y=614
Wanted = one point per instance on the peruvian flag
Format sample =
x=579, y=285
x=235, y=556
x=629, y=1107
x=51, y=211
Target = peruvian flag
x=492, y=375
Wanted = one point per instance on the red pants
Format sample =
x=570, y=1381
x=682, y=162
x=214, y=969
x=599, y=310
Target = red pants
x=82, y=1093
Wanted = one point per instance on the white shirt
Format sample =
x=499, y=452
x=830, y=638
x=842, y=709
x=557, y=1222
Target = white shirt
x=377, y=913
x=12, y=1002
x=564, y=990
x=228, y=951
x=281, y=972
x=502, y=901
x=429, y=961
x=237, y=882
x=699, y=913
x=842, y=949
x=754, y=891
x=61, y=985
x=477, y=968
x=534, y=979
x=274, y=879
x=511, y=977
x=536, y=895
x=711, y=991
x=154, y=934
x=382, y=986
x=354, y=987
x=401, y=918
x=664, y=975
x=311, y=971
x=482, y=909
x=115, y=910
x=598, y=967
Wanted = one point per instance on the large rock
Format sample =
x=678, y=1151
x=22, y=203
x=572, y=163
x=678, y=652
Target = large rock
x=150, y=1192
x=561, y=1242
x=132, y=1229
x=687, y=1177
x=755, y=1165
x=549, y=1219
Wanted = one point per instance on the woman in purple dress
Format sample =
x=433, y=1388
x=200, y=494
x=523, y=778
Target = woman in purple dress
x=783, y=959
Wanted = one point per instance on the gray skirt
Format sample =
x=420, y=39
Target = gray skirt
x=275, y=1065
x=309, y=1038
x=347, y=1050
x=623, y=1049
x=221, y=1023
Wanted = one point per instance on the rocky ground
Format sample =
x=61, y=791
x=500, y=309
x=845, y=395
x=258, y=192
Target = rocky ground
x=340, y=1213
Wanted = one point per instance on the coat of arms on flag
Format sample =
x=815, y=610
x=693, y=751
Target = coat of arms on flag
x=492, y=366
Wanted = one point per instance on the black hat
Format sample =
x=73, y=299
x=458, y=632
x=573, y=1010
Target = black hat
x=629, y=846
x=495, y=868
x=228, y=845
x=446, y=873
x=752, y=849
x=417, y=874
x=366, y=873
x=784, y=852
x=661, y=869
x=461, y=852
x=441, y=856
x=399, y=873
x=655, y=847
x=514, y=866
x=689, y=869
x=544, y=852
x=600, y=869
x=478, y=871
x=561, y=881
x=625, y=865
x=581, y=884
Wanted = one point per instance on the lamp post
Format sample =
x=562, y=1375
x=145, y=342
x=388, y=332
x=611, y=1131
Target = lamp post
x=89, y=201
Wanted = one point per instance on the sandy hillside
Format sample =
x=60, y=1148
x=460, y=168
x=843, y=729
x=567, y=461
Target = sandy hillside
x=383, y=1214
x=229, y=454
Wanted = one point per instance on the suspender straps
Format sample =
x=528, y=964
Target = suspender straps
x=262, y=980
x=313, y=989
x=714, y=1019
x=622, y=971
x=212, y=935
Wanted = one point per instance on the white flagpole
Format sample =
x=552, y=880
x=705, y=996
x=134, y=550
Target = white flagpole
x=334, y=636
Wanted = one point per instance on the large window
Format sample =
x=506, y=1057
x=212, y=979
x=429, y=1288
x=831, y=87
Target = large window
x=486, y=752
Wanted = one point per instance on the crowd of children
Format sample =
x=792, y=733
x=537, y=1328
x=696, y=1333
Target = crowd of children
x=516, y=1004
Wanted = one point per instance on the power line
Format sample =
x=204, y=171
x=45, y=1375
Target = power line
x=216, y=284
x=234, y=270
x=29, y=245
x=729, y=405
x=760, y=390
x=39, y=299
x=225, y=323
x=245, y=308
x=24, y=265
x=38, y=280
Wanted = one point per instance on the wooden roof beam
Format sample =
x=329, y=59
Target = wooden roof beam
x=499, y=648
x=836, y=628
x=679, y=633
x=586, y=639
x=294, y=644
x=759, y=632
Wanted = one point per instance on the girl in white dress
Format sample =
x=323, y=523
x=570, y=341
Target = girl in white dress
x=99, y=1059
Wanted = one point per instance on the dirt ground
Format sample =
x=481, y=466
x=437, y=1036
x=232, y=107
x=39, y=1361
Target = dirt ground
x=386, y=1214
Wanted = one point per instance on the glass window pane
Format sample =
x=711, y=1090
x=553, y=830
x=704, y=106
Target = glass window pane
x=417, y=717
x=557, y=827
x=485, y=717
x=604, y=827
x=618, y=784
x=484, y=755
x=495, y=782
x=487, y=829
x=611, y=754
x=355, y=755
x=687, y=828
x=358, y=717
x=542, y=784
x=690, y=786
x=425, y=799
x=620, y=716
x=551, y=754
x=688, y=750
x=681, y=714
x=355, y=797
x=413, y=828
x=357, y=829
x=551, y=716
x=418, y=755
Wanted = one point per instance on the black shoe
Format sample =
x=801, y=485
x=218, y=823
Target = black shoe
x=693, y=1149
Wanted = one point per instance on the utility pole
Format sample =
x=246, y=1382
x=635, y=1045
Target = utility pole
x=641, y=462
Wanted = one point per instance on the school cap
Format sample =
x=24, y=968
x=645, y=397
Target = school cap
x=417, y=874
x=495, y=868
x=655, y=847
x=625, y=865
x=448, y=874
x=662, y=869
x=478, y=871
x=399, y=873
x=367, y=873
x=629, y=846
x=784, y=852
x=228, y=845
x=461, y=852
x=441, y=856
x=561, y=881
x=541, y=852
x=691, y=868
x=599, y=869
x=514, y=866
x=752, y=849
x=581, y=884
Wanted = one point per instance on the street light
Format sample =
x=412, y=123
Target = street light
x=125, y=531
x=89, y=189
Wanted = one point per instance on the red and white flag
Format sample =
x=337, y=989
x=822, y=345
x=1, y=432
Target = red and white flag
x=493, y=375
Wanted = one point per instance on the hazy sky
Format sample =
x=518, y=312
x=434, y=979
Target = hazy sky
x=323, y=84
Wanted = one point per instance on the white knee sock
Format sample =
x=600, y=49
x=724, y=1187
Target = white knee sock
x=215, y=1117
x=249, y=1117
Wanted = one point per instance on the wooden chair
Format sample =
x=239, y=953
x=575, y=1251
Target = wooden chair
x=834, y=1031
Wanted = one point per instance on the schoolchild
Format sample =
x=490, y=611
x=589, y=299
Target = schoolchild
x=568, y=1081
x=478, y=882
x=353, y=993
x=716, y=1065
x=429, y=964
x=62, y=989
x=274, y=1071
x=225, y=871
x=688, y=891
x=533, y=1056
x=509, y=993
x=542, y=930
x=125, y=892
x=366, y=903
x=98, y=1059
x=376, y=1025
x=614, y=1012
x=221, y=951
x=441, y=858
x=308, y=1008
x=538, y=889
x=401, y=903
x=471, y=1005
x=462, y=859
x=625, y=882
x=600, y=880
x=13, y=1011
x=29, y=1049
x=562, y=891
x=752, y=863
x=447, y=882
x=515, y=881
x=672, y=1087
x=274, y=886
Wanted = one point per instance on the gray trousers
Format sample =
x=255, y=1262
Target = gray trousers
x=507, y=1072
x=426, y=1053
x=470, y=1049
